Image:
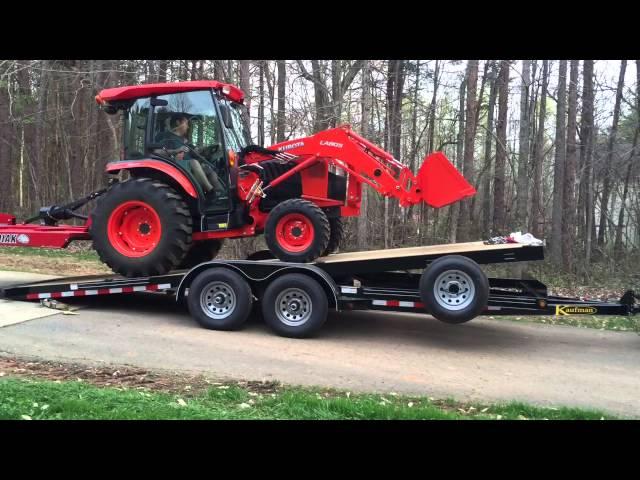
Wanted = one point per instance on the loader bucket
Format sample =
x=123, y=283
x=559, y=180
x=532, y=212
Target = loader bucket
x=441, y=183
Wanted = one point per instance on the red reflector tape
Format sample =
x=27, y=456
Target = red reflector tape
x=397, y=303
x=102, y=291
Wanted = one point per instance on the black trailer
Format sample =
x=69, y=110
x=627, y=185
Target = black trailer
x=442, y=280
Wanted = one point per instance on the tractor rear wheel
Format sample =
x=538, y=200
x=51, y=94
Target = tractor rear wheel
x=141, y=227
x=297, y=231
x=201, y=252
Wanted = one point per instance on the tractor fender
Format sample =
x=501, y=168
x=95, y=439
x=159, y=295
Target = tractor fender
x=260, y=280
x=166, y=169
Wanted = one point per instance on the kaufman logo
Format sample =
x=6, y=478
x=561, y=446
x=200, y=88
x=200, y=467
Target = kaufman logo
x=327, y=143
x=290, y=146
x=571, y=310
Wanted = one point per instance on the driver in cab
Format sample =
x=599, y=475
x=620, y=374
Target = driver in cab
x=175, y=143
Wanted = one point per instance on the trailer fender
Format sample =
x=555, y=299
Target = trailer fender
x=163, y=167
x=264, y=277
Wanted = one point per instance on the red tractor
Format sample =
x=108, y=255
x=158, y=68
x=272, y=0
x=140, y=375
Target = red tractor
x=195, y=178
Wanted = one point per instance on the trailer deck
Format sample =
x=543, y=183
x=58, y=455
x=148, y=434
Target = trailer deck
x=376, y=280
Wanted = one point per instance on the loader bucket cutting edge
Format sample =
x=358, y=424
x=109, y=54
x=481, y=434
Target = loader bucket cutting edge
x=441, y=183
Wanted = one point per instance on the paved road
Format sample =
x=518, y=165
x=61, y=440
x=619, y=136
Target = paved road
x=487, y=360
x=17, y=312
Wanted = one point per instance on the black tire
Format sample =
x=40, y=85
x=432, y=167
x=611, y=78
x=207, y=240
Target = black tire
x=463, y=289
x=335, y=238
x=226, y=287
x=299, y=291
x=201, y=252
x=313, y=215
x=174, y=217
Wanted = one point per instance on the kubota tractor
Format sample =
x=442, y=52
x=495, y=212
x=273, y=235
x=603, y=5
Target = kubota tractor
x=194, y=178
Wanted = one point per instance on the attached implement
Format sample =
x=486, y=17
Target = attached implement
x=193, y=178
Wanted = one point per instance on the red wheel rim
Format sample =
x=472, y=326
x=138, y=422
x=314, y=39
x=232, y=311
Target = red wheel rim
x=134, y=229
x=295, y=232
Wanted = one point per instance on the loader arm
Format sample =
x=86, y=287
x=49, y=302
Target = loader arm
x=438, y=182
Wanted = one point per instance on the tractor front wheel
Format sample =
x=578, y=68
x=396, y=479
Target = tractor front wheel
x=141, y=228
x=297, y=231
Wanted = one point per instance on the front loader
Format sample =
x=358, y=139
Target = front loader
x=168, y=208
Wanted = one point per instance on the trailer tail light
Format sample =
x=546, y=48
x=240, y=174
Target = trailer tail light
x=7, y=219
x=440, y=183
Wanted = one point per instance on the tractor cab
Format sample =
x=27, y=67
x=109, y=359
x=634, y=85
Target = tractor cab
x=199, y=132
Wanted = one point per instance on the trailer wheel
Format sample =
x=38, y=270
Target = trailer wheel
x=297, y=231
x=220, y=299
x=295, y=305
x=141, y=227
x=335, y=238
x=454, y=289
x=201, y=252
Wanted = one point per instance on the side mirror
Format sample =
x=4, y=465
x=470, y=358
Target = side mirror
x=226, y=116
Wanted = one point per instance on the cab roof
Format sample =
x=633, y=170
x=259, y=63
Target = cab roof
x=150, y=89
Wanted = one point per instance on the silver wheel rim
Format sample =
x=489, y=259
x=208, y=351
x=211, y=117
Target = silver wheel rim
x=293, y=307
x=218, y=300
x=454, y=290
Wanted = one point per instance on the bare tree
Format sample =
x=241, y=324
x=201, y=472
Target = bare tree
x=537, y=213
x=282, y=82
x=558, y=177
x=499, y=210
x=568, y=215
x=464, y=220
x=523, y=157
x=606, y=186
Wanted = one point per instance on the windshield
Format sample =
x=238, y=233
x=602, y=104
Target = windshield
x=239, y=136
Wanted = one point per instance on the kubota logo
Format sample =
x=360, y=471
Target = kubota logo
x=327, y=143
x=14, y=238
x=572, y=310
x=290, y=146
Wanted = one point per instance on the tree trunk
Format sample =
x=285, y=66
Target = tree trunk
x=523, y=156
x=464, y=220
x=586, y=158
x=606, y=186
x=245, y=82
x=282, y=78
x=486, y=184
x=537, y=213
x=618, y=248
x=499, y=213
x=568, y=216
x=261, y=105
x=559, y=166
x=455, y=208
x=362, y=237
x=432, y=107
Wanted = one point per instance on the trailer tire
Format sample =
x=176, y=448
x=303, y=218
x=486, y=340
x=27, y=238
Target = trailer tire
x=335, y=237
x=454, y=289
x=295, y=305
x=220, y=299
x=201, y=252
x=297, y=231
x=141, y=227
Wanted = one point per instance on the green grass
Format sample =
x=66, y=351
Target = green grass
x=599, y=322
x=75, y=254
x=35, y=399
